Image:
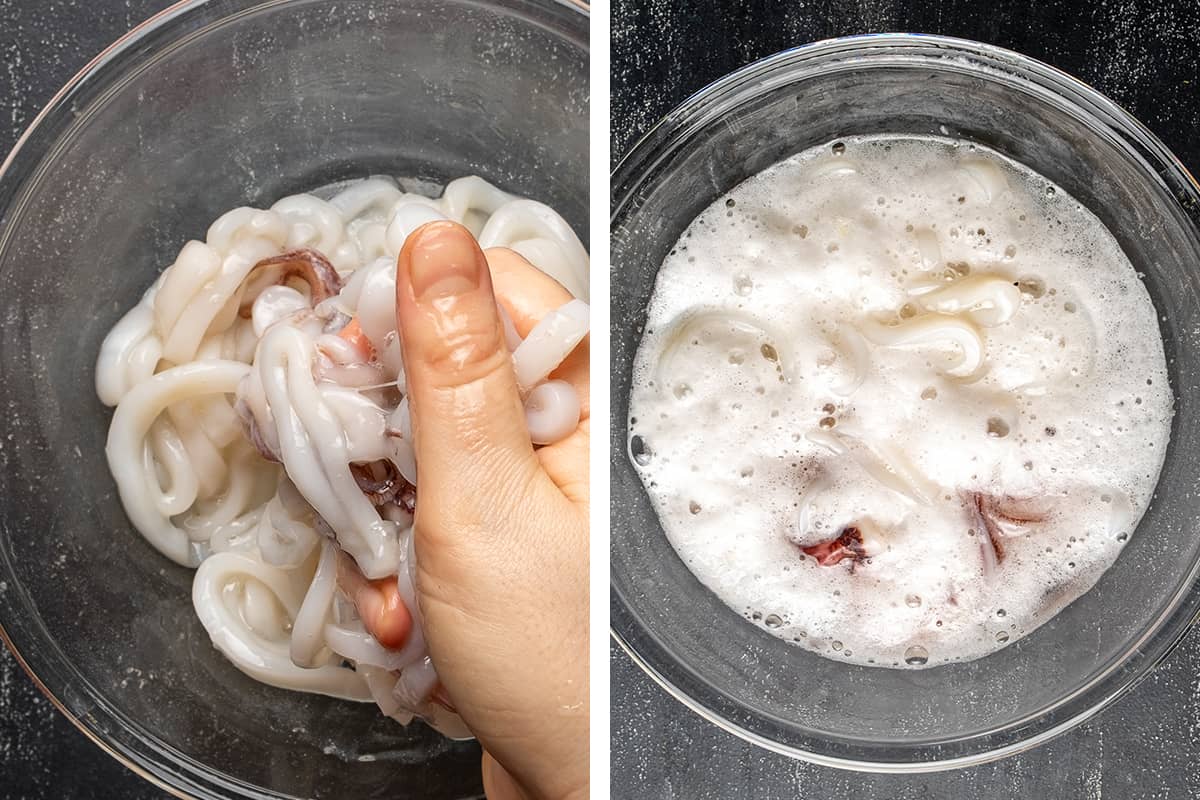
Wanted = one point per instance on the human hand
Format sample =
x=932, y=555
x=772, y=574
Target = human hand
x=501, y=529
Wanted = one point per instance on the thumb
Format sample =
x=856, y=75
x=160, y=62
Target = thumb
x=498, y=784
x=468, y=420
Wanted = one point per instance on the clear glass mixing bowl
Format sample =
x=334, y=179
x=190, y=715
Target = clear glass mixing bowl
x=793, y=701
x=208, y=106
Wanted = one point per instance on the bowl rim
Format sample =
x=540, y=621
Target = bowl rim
x=1013, y=68
x=137, y=750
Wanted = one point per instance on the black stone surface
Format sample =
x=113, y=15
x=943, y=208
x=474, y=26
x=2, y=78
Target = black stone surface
x=43, y=43
x=1142, y=53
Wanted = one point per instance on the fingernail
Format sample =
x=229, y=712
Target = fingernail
x=384, y=613
x=444, y=261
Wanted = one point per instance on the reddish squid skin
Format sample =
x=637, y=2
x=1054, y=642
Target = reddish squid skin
x=992, y=511
x=989, y=525
x=848, y=544
x=254, y=433
x=304, y=263
x=381, y=491
x=353, y=333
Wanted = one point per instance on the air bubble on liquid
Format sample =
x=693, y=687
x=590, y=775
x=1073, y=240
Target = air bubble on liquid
x=682, y=391
x=836, y=645
x=1010, y=252
x=997, y=428
x=736, y=356
x=746, y=472
x=916, y=655
x=742, y=284
x=773, y=621
x=1033, y=286
x=639, y=450
x=769, y=352
x=694, y=507
x=838, y=148
x=929, y=393
x=912, y=601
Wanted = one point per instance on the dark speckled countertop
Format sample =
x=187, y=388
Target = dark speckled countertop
x=1145, y=54
x=42, y=44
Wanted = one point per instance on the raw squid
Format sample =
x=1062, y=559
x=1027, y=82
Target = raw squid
x=261, y=431
x=898, y=400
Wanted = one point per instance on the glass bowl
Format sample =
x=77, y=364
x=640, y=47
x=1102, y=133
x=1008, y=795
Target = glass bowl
x=208, y=106
x=790, y=700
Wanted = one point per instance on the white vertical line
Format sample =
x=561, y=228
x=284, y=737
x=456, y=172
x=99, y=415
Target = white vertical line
x=599, y=150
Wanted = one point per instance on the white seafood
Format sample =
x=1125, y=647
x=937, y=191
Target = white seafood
x=898, y=402
x=252, y=441
x=934, y=330
x=988, y=300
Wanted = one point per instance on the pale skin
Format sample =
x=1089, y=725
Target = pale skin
x=501, y=528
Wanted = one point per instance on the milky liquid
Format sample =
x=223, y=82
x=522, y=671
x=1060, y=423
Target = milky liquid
x=921, y=361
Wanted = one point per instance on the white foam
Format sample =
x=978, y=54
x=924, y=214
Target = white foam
x=816, y=356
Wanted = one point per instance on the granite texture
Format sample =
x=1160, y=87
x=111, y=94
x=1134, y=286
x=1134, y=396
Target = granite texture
x=43, y=43
x=1142, y=53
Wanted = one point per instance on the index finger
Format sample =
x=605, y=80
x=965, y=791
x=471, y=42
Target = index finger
x=528, y=294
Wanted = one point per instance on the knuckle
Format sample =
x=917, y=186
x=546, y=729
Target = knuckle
x=464, y=346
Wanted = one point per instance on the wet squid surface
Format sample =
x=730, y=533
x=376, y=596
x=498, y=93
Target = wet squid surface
x=262, y=435
x=899, y=400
